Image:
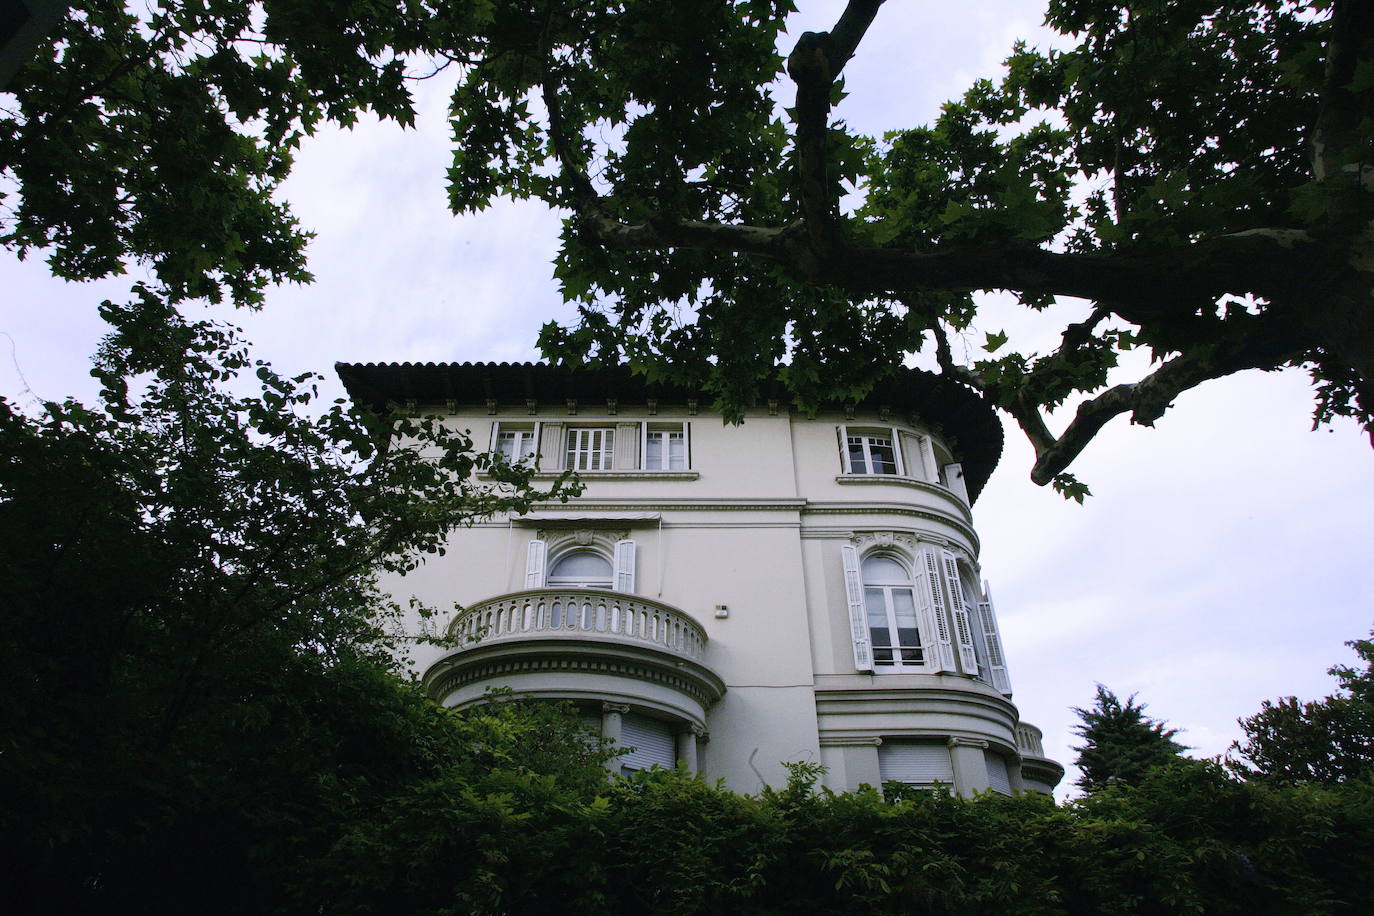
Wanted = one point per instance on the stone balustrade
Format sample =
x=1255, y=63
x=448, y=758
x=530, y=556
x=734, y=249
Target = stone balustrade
x=1029, y=740
x=583, y=613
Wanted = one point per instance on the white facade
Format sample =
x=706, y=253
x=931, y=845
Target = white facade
x=798, y=587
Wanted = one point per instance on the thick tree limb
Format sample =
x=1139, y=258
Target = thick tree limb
x=1351, y=39
x=814, y=65
x=1170, y=284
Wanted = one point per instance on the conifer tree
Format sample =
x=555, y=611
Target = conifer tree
x=1120, y=743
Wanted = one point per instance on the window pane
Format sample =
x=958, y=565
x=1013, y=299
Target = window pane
x=908, y=635
x=885, y=571
x=883, y=459
x=590, y=449
x=878, y=625
x=581, y=567
x=653, y=453
x=857, y=464
x=677, y=452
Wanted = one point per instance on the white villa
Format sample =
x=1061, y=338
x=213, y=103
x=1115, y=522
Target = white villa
x=730, y=598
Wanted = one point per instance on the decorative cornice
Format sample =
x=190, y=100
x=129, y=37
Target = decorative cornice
x=621, y=708
x=956, y=741
x=655, y=505
x=900, y=481
x=850, y=740
x=829, y=507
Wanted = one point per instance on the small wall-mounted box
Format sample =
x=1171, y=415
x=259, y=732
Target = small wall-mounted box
x=722, y=610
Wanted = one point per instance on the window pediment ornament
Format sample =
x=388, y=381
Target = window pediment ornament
x=883, y=539
x=603, y=538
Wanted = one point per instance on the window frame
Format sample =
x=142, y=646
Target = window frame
x=649, y=430
x=606, y=584
x=572, y=454
x=867, y=435
x=897, y=650
x=500, y=431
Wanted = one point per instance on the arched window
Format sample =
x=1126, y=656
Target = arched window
x=581, y=569
x=891, y=608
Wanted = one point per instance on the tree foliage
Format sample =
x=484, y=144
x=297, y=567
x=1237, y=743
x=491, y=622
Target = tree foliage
x=1188, y=839
x=1196, y=171
x=1325, y=742
x=1120, y=743
x=199, y=665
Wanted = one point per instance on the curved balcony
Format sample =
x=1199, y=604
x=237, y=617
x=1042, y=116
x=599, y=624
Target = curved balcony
x=1038, y=772
x=583, y=613
x=581, y=644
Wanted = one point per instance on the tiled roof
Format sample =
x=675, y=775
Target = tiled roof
x=966, y=421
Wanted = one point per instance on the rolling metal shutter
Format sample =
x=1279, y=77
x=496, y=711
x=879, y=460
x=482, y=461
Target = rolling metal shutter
x=919, y=763
x=998, y=778
x=651, y=740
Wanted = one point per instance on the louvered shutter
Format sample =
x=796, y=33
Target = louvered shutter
x=999, y=780
x=843, y=433
x=963, y=630
x=932, y=467
x=650, y=742
x=625, y=567
x=933, y=608
x=495, y=442
x=954, y=480
x=992, y=639
x=917, y=763
x=858, y=616
x=534, y=565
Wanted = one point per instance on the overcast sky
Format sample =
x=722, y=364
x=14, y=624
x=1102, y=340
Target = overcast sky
x=1223, y=559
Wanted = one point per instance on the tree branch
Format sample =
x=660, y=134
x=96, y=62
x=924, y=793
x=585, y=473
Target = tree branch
x=814, y=65
x=1147, y=400
x=1351, y=38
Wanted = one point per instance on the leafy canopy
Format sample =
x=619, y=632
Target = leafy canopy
x=200, y=665
x=1326, y=742
x=1195, y=171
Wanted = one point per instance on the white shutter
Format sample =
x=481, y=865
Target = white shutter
x=954, y=480
x=932, y=467
x=534, y=565
x=858, y=616
x=933, y=609
x=625, y=567
x=999, y=780
x=963, y=631
x=915, y=762
x=913, y=462
x=992, y=639
x=844, y=449
x=495, y=437
x=650, y=740
x=897, y=452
